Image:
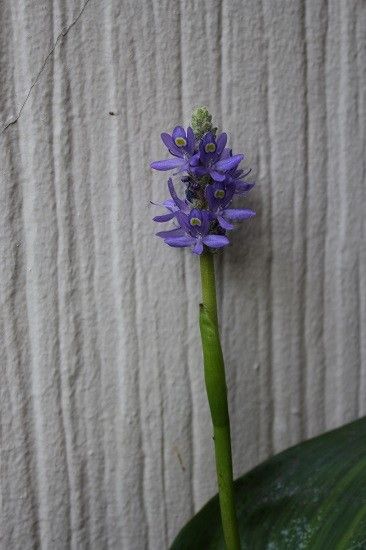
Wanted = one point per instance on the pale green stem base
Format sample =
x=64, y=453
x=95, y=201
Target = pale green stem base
x=217, y=398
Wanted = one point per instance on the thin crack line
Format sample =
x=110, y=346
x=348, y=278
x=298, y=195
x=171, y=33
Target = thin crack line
x=62, y=34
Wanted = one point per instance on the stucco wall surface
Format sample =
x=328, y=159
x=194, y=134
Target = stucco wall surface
x=105, y=429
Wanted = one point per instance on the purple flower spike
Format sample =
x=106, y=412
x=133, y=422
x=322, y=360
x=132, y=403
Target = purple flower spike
x=211, y=178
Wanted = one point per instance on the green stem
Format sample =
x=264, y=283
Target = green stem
x=217, y=397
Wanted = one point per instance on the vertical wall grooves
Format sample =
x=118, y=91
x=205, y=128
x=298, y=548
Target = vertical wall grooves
x=304, y=229
x=162, y=387
x=268, y=265
x=133, y=222
x=323, y=370
x=66, y=429
x=361, y=110
x=17, y=433
x=106, y=432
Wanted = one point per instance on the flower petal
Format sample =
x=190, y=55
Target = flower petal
x=229, y=163
x=194, y=161
x=198, y=247
x=170, y=204
x=178, y=232
x=238, y=213
x=190, y=140
x=215, y=241
x=184, y=166
x=181, y=204
x=179, y=242
x=224, y=224
x=243, y=187
x=167, y=164
x=220, y=144
x=164, y=217
x=217, y=176
x=169, y=143
x=183, y=220
x=178, y=132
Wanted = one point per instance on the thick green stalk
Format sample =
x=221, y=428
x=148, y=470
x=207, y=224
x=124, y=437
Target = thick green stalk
x=217, y=397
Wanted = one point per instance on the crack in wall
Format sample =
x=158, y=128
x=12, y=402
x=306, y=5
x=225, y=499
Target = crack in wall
x=61, y=35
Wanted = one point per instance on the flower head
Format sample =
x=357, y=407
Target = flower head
x=180, y=144
x=213, y=159
x=212, y=177
x=234, y=177
x=174, y=205
x=193, y=232
x=219, y=196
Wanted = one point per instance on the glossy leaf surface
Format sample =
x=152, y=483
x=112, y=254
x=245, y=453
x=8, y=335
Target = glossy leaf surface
x=311, y=496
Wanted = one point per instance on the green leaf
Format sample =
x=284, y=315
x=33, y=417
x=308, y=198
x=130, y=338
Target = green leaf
x=311, y=496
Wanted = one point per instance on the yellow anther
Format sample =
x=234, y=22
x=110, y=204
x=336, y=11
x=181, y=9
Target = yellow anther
x=210, y=147
x=195, y=221
x=180, y=141
x=219, y=194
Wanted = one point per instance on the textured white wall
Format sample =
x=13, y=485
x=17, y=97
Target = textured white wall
x=106, y=439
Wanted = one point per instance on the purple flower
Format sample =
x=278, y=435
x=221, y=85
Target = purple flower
x=219, y=196
x=180, y=142
x=181, y=145
x=213, y=159
x=175, y=204
x=193, y=232
x=234, y=177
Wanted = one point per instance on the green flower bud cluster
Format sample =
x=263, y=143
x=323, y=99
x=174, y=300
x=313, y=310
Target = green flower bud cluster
x=201, y=122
